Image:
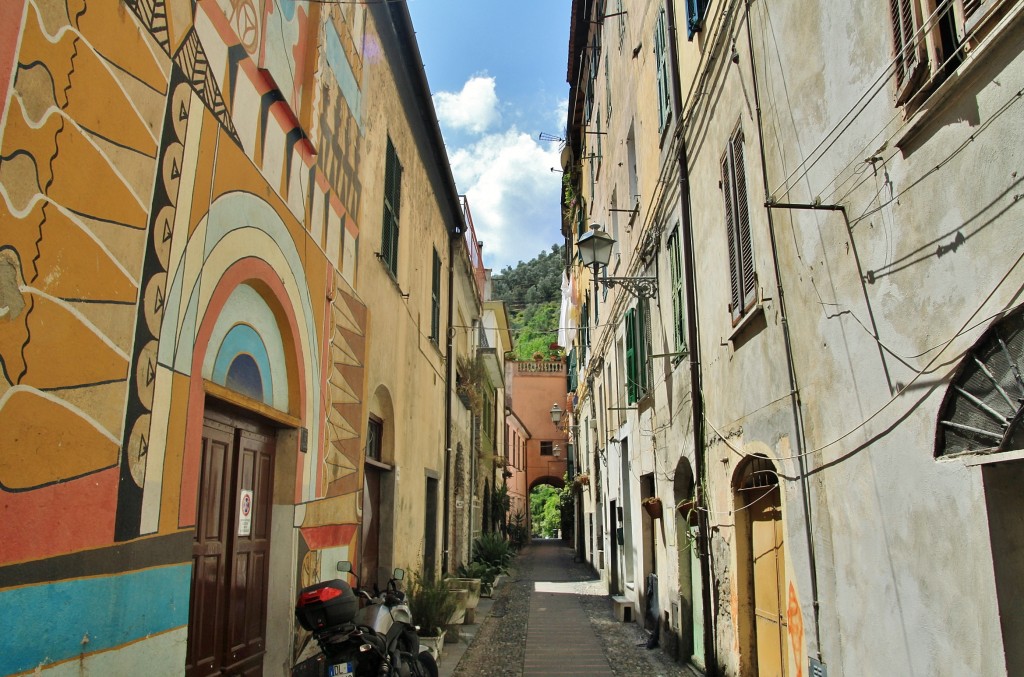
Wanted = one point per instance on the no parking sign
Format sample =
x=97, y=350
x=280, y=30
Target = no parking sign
x=245, y=513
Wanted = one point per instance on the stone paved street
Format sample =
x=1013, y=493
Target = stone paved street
x=552, y=617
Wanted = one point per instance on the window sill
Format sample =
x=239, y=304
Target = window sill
x=976, y=458
x=932, y=104
x=744, y=322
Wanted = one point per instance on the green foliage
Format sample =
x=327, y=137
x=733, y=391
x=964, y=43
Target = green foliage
x=482, y=570
x=518, y=534
x=533, y=292
x=492, y=549
x=431, y=604
x=546, y=511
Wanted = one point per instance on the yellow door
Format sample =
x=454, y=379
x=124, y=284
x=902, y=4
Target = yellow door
x=769, y=569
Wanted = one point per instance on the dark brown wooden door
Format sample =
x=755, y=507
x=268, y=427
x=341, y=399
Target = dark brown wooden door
x=230, y=556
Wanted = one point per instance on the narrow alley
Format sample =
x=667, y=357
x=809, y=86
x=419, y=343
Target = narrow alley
x=553, y=617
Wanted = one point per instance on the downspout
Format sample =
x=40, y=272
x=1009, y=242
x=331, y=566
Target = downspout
x=692, y=339
x=448, y=358
x=798, y=419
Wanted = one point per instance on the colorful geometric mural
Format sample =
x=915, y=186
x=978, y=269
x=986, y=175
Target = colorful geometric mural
x=77, y=161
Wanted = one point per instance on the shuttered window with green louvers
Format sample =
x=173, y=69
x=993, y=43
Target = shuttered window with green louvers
x=675, y=262
x=392, y=209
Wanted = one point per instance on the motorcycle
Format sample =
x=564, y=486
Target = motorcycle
x=364, y=634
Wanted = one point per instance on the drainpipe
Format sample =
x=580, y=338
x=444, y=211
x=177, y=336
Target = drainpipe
x=798, y=419
x=692, y=339
x=448, y=359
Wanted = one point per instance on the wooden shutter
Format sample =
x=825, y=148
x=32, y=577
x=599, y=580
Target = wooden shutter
x=678, y=308
x=695, y=10
x=435, y=300
x=643, y=369
x=735, y=297
x=632, y=394
x=661, y=60
x=745, y=241
x=392, y=208
x=907, y=47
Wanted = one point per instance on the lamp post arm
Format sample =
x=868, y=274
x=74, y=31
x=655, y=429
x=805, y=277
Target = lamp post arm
x=641, y=286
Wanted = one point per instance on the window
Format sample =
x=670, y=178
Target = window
x=435, y=300
x=607, y=90
x=374, y=438
x=742, y=279
x=928, y=38
x=638, y=351
x=695, y=12
x=661, y=63
x=392, y=209
x=622, y=21
x=547, y=448
x=675, y=264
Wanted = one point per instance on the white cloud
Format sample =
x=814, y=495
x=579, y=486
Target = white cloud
x=513, y=195
x=474, y=109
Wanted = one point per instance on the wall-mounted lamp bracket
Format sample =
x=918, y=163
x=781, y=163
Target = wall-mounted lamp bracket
x=641, y=286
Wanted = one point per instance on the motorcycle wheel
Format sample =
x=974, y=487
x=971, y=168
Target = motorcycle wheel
x=427, y=666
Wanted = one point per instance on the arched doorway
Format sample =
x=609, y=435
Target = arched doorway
x=240, y=461
x=545, y=513
x=690, y=616
x=761, y=568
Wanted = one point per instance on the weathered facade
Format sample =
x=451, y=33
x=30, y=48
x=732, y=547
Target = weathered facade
x=828, y=200
x=223, y=338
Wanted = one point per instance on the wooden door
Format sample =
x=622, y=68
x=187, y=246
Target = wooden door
x=370, y=560
x=230, y=556
x=769, y=569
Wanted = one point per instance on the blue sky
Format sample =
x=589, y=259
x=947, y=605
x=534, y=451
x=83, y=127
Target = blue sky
x=497, y=76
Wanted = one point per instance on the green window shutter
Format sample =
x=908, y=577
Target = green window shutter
x=392, y=208
x=632, y=392
x=435, y=300
x=645, y=377
x=695, y=11
x=661, y=61
x=678, y=307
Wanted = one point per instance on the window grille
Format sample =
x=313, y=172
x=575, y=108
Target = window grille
x=759, y=474
x=985, y=401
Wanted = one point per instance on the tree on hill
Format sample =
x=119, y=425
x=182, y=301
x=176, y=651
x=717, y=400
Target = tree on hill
x=533, y=293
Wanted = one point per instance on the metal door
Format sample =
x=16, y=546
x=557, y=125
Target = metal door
x=230, y=554
x=769, y=568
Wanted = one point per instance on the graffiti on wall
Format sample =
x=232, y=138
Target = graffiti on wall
x=796, y=629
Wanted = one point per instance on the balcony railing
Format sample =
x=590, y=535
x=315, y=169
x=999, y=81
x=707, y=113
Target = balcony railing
x=545, y=367
x=473, y=245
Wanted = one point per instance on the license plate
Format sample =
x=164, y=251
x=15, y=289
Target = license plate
x=340, y=669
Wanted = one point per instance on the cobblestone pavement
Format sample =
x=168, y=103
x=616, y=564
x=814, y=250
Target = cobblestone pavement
x=552, y=617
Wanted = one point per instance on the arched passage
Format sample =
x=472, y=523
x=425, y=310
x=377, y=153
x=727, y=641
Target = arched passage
x=546, y=513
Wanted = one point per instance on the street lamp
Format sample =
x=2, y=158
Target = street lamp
x=595, y=247
x=556, y=414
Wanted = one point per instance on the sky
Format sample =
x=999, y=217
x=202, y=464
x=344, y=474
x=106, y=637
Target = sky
x=497, y=74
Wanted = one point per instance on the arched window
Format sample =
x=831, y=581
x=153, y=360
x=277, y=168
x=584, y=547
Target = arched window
x=984, y=403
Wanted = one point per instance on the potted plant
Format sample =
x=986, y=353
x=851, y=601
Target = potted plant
x=652, y=504
x=471, y=585
x=469, y=378
x=432, y=605
x=583, y=479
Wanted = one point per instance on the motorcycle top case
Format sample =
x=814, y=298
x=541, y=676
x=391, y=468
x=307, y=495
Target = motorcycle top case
x=326, y=604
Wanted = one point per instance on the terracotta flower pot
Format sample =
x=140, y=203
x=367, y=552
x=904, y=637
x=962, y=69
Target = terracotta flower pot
x=653, y=508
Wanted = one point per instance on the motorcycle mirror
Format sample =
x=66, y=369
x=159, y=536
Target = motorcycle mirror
x=345, y=567
x=399, y=574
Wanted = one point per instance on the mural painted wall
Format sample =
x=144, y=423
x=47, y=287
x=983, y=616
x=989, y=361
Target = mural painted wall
x=178, y=221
